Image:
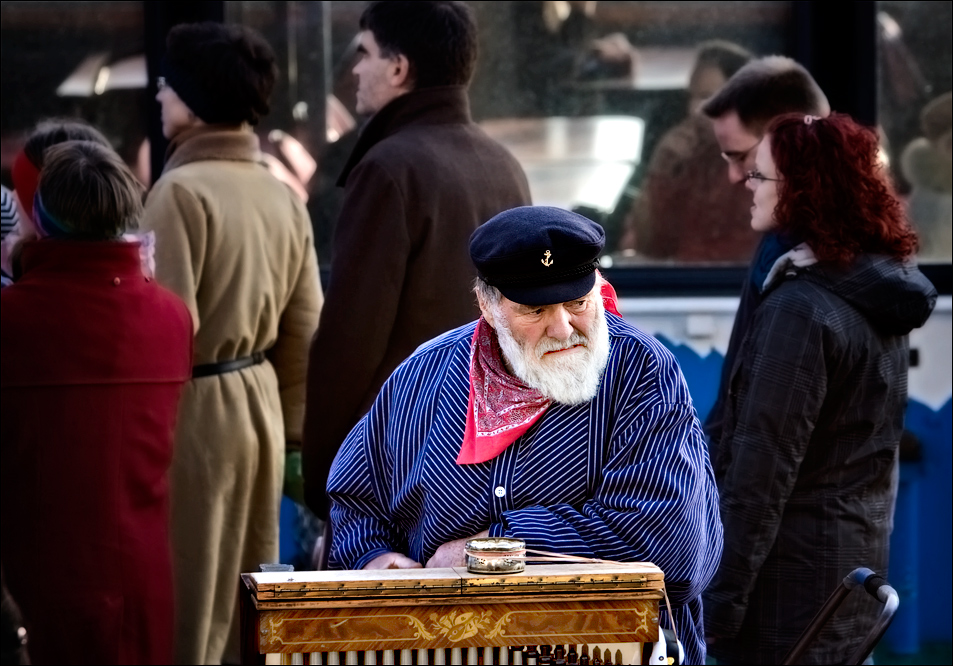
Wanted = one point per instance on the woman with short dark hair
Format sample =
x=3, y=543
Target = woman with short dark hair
x=807, y=465
x=236, y=245
x=94, y=357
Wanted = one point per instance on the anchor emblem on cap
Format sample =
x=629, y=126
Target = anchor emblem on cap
x=546, y=261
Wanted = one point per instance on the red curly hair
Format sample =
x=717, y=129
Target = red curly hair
x=835, y=193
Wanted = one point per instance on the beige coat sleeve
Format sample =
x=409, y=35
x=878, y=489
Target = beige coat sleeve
x=299, y=321
x=178, y=220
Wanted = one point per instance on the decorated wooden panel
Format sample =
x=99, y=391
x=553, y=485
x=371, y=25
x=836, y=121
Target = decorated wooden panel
x=421, y=609
x=464, y=625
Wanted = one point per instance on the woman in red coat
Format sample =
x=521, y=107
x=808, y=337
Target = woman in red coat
x=94, y=355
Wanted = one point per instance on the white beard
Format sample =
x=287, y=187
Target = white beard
x=572, y=378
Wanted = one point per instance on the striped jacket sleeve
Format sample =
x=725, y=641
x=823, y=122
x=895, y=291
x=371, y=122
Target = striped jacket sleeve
x=656, y=501
x=362, y=522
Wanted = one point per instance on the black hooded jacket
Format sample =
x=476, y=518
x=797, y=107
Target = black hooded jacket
x=807, y=466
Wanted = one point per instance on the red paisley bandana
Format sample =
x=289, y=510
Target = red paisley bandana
x=609, y=298
x=501, y=407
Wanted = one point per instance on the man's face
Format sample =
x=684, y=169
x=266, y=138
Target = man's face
x=738, y=145
x=378, y=77
x=560, y=350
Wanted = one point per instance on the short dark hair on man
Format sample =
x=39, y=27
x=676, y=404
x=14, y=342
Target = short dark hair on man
x=727, y=57
x=223, y=73
x=90, y=191
x=766, y=88
x=439, y=39
x=56, y=130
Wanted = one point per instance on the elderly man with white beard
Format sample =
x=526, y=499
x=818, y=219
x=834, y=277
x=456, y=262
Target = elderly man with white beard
x=549, y=420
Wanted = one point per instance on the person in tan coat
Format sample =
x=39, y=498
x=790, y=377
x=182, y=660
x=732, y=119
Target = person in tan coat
x=237, y=246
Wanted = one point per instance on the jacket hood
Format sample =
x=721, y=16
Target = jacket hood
x=893, y=294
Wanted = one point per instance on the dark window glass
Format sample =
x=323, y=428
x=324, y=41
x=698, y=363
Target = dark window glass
x=915, y=114
x=74, y=59
x=593, y=98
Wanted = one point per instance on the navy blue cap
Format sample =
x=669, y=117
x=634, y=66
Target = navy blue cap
x=538, y=255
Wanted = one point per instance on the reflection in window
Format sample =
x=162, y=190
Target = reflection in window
x=552, y=68
x=304, y=145
x=75, y=59
x=582, y=92
x=916, y=113
x=686, y=210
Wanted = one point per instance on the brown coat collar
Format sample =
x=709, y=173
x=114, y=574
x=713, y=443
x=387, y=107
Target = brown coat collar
x=427, y=106
x=212, y=142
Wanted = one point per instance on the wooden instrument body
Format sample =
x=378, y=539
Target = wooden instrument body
x=402, y=609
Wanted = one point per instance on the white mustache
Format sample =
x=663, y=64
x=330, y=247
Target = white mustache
x=552, y=344
x=571, y=379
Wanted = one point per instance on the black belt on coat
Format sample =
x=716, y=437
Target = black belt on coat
x=209, y=369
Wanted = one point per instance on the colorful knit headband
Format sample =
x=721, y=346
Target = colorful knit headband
x=48, y=224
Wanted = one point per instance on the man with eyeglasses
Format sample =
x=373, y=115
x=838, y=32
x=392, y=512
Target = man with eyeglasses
x=757, y=93
x=740, y=111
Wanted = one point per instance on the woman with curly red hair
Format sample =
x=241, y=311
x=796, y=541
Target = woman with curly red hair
x=807, y=466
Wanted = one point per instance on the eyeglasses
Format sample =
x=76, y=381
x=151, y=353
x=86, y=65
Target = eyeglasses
x=160, y=83
x=737, y=157
x=757, y=175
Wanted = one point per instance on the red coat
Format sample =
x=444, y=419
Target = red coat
x=94, y=356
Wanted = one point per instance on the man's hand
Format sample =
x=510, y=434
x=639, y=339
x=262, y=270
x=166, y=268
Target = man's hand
x=453, y=553
x=392, y=561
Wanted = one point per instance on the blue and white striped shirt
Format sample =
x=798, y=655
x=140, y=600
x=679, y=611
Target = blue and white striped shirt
x=624, y=477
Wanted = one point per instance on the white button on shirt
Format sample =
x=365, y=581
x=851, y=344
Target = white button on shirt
x=500, y=491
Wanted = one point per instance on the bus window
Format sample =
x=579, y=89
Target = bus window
x=595, y=100
x=312, y=127
x=75, y=59
x=915, y=114
x=599, y=101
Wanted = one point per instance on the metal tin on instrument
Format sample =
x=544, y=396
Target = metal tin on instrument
x=496, y=555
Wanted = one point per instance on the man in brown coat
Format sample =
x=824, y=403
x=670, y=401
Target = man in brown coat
x=421, y=178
